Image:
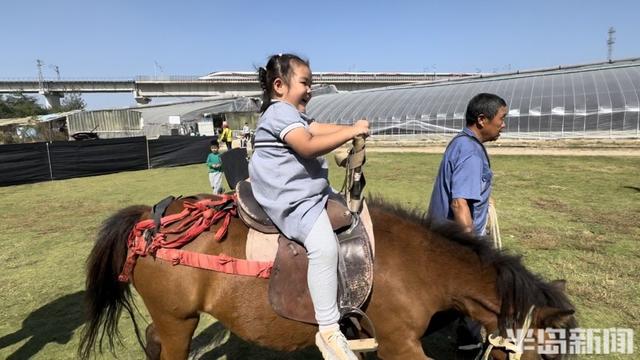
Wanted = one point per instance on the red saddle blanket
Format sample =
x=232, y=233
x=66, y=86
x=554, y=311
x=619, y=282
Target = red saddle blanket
x=163, y=240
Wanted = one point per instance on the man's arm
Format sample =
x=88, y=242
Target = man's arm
x=466, y=181
x=462, y=213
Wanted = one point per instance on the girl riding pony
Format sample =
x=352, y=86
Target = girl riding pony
x=289, y=177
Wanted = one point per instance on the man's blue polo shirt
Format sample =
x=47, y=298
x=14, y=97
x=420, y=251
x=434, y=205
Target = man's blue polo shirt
x=464, y=173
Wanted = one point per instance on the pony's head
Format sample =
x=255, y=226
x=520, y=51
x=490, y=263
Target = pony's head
x=534, y=316
x=544, y=332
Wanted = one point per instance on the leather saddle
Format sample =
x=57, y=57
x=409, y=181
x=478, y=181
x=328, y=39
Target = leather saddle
x=288, y=290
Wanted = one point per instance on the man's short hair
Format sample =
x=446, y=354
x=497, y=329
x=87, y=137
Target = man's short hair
x=483, y=104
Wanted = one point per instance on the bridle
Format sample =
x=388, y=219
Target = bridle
x=515, y=349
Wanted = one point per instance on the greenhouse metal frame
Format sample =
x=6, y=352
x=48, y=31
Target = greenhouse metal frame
x=584, y=101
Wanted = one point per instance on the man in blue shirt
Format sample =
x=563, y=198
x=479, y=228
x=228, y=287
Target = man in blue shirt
x=462, y=188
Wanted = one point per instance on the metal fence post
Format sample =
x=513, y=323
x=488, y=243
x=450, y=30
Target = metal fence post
x=147, y=147
x=49, y=160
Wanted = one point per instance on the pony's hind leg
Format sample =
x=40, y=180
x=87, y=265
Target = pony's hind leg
x=175, y=336
x=404, y=349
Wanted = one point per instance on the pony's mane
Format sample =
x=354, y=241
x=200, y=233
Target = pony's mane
x=518, y=288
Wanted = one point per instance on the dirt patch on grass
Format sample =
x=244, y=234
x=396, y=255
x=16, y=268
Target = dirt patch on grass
x=549, y=239
x=627, y=223
x=507, y=150
x=588, y=241
x=538, y=240
x=551, y=205
x=565, y=147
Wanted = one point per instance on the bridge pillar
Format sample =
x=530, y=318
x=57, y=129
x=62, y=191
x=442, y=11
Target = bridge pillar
x=52, y=99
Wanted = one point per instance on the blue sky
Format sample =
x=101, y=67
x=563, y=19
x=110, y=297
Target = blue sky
x=102, y=39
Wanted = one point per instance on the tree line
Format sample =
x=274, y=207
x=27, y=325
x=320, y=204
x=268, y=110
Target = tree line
x=20, y=105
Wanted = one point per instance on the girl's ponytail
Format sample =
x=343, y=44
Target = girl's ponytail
x=266, y=89
x=262, y=77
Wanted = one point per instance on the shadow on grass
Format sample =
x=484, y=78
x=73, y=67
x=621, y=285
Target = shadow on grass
x=54, y=322
x=210, y=344
x=632, y=188
x=216, y=342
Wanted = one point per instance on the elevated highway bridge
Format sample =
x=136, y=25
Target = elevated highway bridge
x=143, y=88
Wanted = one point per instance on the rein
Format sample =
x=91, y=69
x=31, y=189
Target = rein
x=515, y=349
x=354, y=181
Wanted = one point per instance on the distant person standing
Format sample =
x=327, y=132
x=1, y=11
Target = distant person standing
x=226, y=136
x=214, y=164
x=246, y=135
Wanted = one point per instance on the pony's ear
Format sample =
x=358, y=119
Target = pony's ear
x=560, y=284
x=554, y=317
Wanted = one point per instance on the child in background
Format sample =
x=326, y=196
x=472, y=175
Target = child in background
x=246, y=135
x=289, y=177
x=214, y=164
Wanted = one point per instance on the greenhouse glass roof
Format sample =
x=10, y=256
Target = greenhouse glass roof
x=585, y=100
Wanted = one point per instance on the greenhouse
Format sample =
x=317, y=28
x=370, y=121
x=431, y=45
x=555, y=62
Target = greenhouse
x=595, y=100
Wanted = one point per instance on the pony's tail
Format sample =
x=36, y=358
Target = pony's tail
x=105, y=296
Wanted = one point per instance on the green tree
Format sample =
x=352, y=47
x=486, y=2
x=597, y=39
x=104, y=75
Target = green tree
x=71, y=101
x=19, y=105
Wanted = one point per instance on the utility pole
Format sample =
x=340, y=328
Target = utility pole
x=39, y=64
x=610, y=42
x=52, y=99
x=56, y=68
x=157, y=67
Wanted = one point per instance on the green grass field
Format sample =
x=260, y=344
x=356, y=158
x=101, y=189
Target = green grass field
x=576, y=218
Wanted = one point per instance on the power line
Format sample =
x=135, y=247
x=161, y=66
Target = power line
x=39, y=64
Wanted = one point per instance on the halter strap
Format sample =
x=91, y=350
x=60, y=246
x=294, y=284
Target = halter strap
x=515, y=349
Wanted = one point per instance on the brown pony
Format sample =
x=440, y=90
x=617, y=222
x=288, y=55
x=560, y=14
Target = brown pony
x=419, y=271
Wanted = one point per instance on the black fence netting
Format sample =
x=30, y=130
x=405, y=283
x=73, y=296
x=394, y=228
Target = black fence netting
x=70, y=159
x=27, y=163
x=178, y=150
x=24, y=163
